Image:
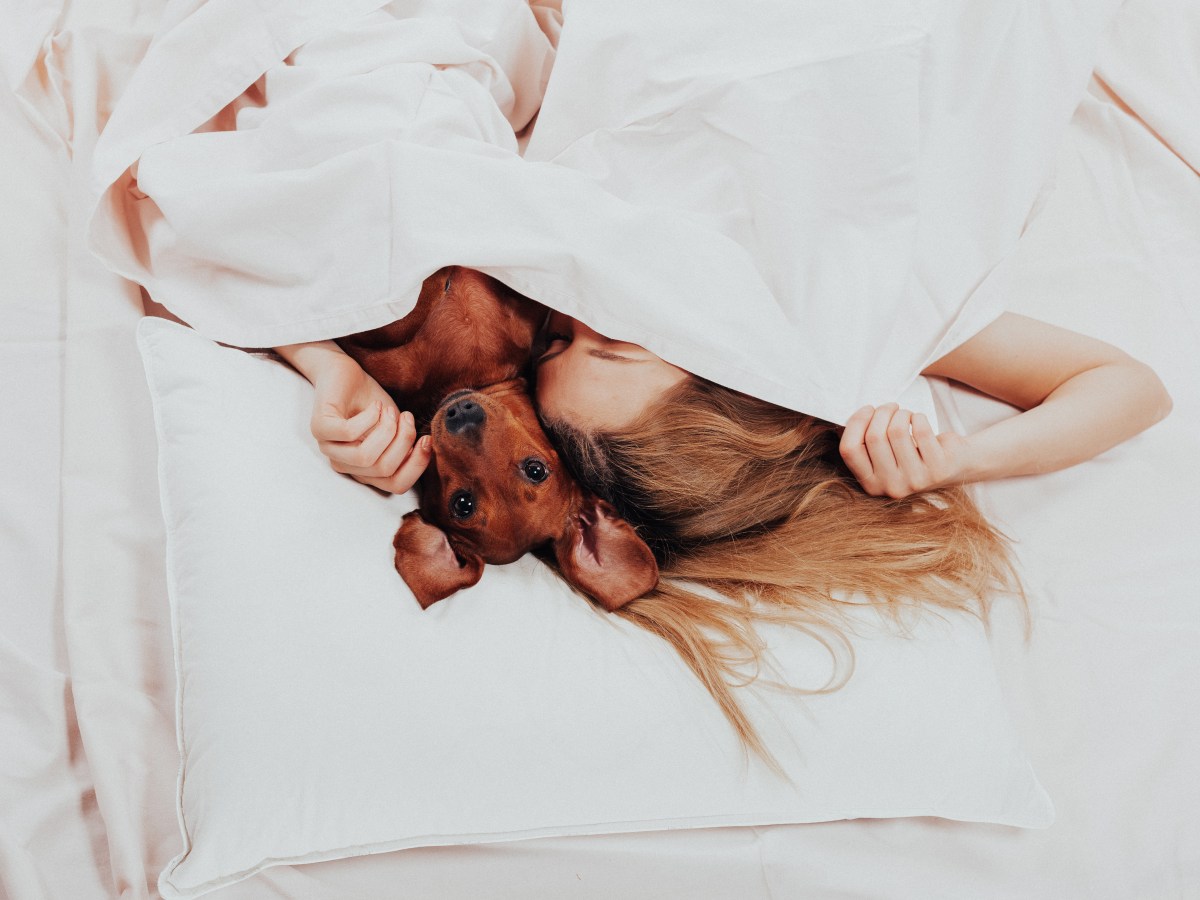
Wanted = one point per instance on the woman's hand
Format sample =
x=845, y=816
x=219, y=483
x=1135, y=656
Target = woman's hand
x=355, y=422
x=1075, y=397
x=894, y=452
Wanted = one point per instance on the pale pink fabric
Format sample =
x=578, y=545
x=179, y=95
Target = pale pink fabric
x=1105, y=695
x=86, y=745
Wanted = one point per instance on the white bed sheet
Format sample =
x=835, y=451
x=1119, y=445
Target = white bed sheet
x=1106, y=695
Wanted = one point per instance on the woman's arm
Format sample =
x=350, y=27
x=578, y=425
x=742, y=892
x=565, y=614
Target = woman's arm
x=1078, y=396
x=355, y=422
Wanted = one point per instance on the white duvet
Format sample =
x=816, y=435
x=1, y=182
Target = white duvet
x=659, y=197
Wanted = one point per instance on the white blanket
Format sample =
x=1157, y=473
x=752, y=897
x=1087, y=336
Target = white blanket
x=660, y=198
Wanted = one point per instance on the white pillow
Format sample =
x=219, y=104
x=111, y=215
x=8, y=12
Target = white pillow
x=323, y=714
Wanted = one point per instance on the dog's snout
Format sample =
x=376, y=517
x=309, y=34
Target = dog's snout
x=464, y=414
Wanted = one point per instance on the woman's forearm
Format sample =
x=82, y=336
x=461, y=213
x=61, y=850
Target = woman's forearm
x=1089, y=413
x=1080, y=397
x=314, y=358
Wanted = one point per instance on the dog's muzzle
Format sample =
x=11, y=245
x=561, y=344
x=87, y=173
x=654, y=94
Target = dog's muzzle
x=463, y=415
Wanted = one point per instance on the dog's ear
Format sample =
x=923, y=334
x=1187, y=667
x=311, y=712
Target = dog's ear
x=428, y=565
x=601, y=555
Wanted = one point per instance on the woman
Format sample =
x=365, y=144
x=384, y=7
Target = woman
x=1079, y=397
x=760, y=514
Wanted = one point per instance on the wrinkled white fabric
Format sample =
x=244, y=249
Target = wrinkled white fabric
x=86, y=742
x=798, y=203
x=1104, y=696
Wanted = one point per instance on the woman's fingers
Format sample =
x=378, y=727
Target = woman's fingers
x=900, y=439
x=932, y=453
x=362, y=457
x=330, y=425
x=894, y=452
x=866, y=449
x=883, y=460
x=409, y=470
x=401, y=463
x=387, y=460
x=400, y=447
x=852, y=448
x=377, y=445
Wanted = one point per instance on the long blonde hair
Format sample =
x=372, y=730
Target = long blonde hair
x=753, y=517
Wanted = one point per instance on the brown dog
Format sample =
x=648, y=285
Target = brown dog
x=495, y=488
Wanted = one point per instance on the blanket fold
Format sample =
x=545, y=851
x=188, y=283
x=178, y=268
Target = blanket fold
x=796, y=204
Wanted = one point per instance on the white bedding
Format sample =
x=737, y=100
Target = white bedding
x=799, y=205
x=323, y=713
x=1105, y=695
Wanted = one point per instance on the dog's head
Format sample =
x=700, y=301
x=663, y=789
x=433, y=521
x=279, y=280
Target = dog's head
x=496, y=490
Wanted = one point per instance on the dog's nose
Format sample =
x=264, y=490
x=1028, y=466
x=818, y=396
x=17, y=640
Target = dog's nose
x=464, y=414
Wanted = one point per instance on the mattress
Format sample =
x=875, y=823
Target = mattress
x=1103, y=693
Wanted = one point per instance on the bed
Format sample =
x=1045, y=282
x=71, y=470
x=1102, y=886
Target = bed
x=1104, y=696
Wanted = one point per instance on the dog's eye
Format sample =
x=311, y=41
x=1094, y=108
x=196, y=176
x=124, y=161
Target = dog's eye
x=462, y=505
x=535, y=470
